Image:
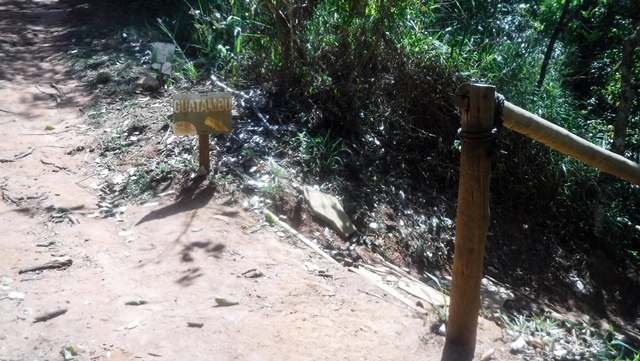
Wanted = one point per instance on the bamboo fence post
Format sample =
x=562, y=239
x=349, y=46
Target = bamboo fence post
x=477, y=104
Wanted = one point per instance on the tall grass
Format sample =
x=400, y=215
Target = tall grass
x=220, y=36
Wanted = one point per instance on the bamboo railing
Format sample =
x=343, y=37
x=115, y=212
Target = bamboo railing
x=477, y=103
x=569, y=144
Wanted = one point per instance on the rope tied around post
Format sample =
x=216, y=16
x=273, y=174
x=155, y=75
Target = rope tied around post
x=478, y=137
x=494, y=133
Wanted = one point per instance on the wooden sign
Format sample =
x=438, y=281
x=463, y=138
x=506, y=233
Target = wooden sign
x=206, y=113
x=202, y=114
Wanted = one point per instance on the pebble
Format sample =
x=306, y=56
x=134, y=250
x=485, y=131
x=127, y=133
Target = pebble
x=518, y=345
x=15, y=296
x=488, y=355
x=559, y=353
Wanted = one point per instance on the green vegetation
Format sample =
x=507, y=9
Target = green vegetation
x=619, y=351
x=272, y=189
x=321, y=154
x=442, y=312
x=142, y=182
x=361, y=91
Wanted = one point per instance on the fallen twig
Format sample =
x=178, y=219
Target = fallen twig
x=7, y=111
x=388, y=289
x=73, y=219
x=54, y=96
x=34, y=278
x=251, y=270
x=23, y=155
x=372, y=294
x=8, y=197
x=239, y=318
x=50, y=315
x=62, y=168
x=56, y=87
x=49, y=132
x=380, y=297
x=55, y=264
x=195, y=324
x=84, y=179
x=323, y=274
x=302, y=238
x=254, y=274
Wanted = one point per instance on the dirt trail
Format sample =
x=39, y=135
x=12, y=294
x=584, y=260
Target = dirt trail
x=177, y=254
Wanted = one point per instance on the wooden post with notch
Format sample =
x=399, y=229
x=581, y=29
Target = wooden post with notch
x=204, y=148
x=476, y=103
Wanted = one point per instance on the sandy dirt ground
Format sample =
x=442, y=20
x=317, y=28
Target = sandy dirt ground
x=177, y=254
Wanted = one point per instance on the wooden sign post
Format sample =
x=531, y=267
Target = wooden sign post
x=477, y=104
x=203, y=152
x=202, y=114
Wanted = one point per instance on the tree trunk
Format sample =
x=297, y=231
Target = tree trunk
x=552, y=42
x=286, y=40
x=376, y=42
x=628, y=92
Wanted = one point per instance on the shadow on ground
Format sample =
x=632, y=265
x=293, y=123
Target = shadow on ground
x=190, y=199
x=34, y=23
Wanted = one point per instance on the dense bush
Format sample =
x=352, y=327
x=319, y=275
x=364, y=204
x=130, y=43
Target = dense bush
x=369, y=83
